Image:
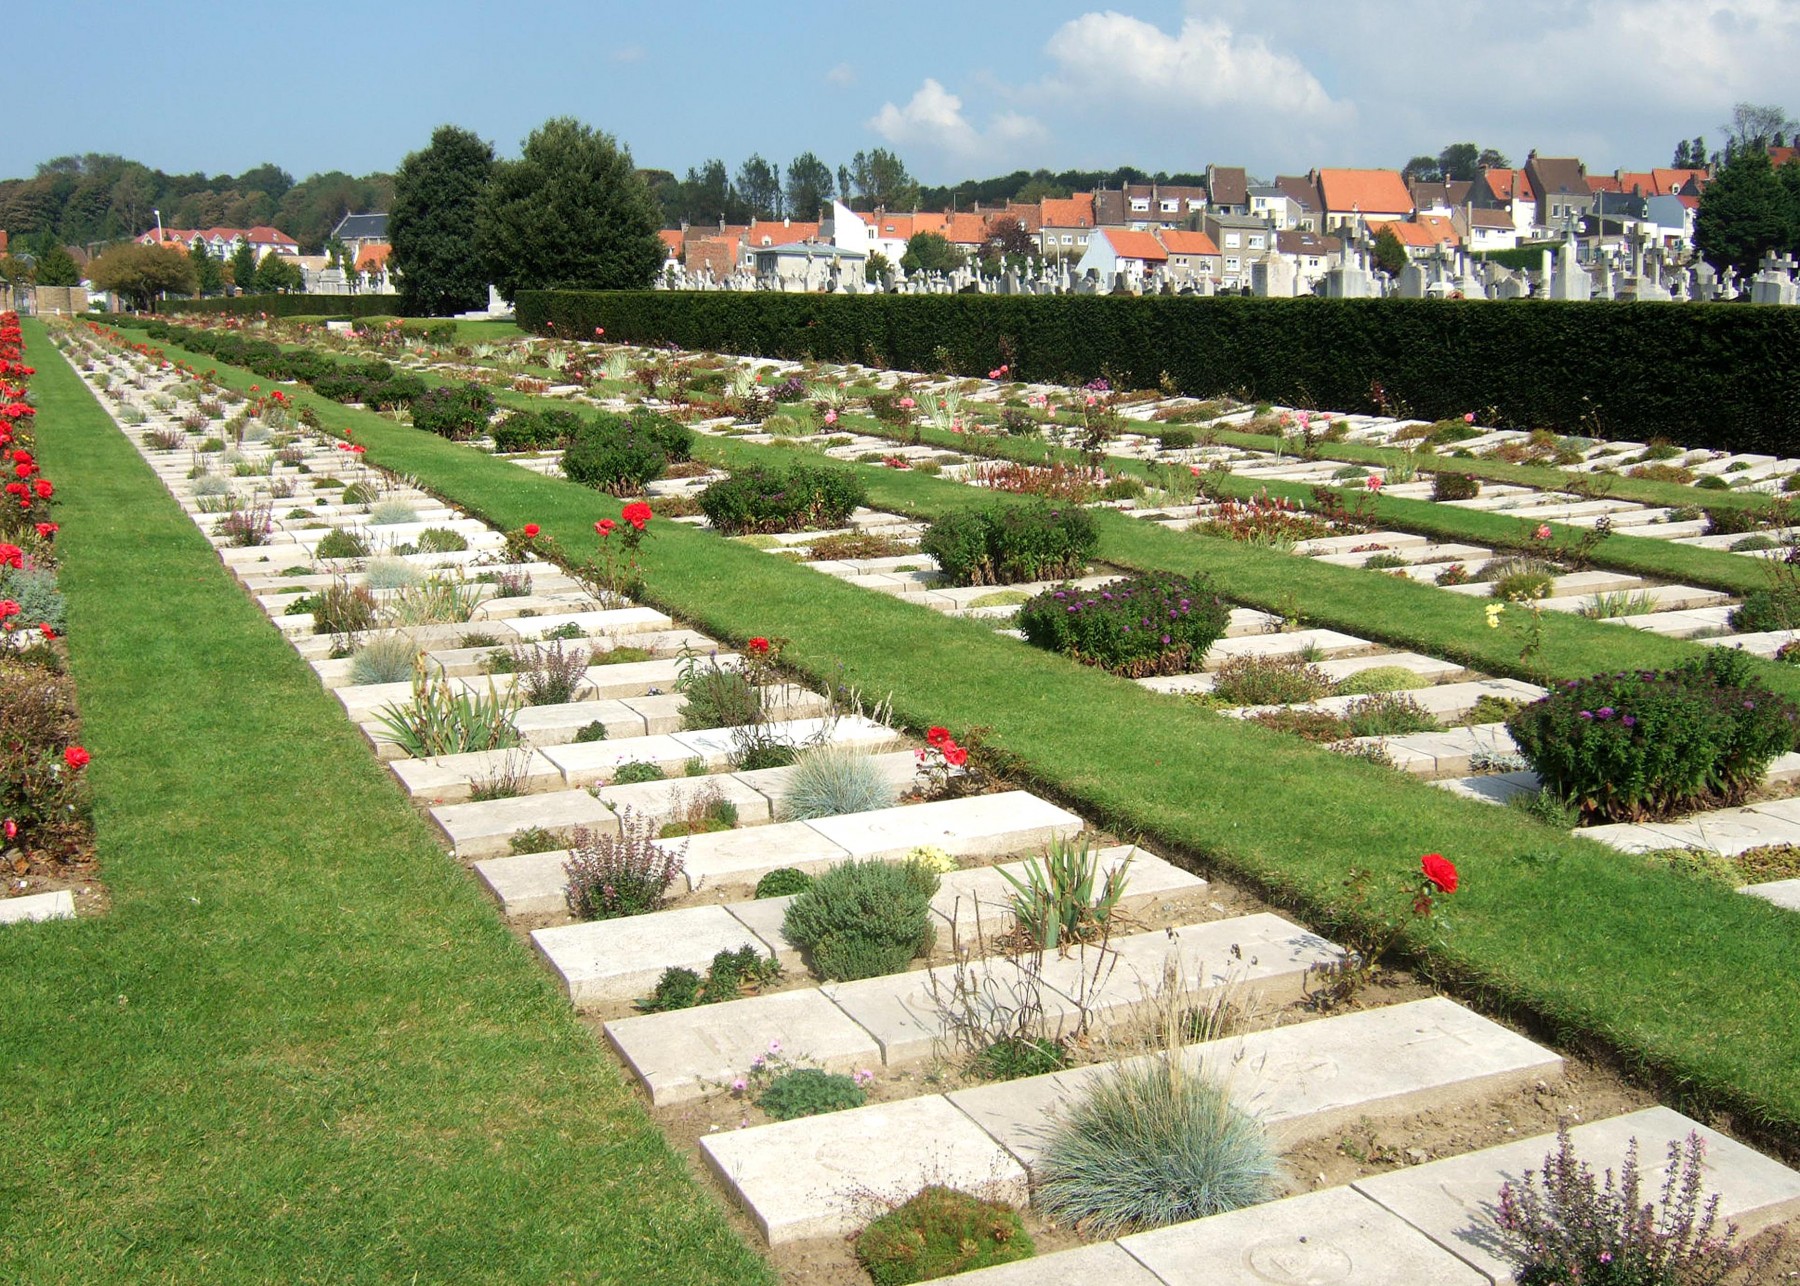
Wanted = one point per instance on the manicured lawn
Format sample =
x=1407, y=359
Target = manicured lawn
x=1680, y=977
x=301, y=1047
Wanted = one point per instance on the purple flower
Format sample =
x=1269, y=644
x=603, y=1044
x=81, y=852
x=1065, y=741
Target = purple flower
x=1604, y=712
x=1749, y=705
x=1585, y=714
x=1165, y=638
x=1630, y=721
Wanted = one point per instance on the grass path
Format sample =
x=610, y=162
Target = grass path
x=301, y=1048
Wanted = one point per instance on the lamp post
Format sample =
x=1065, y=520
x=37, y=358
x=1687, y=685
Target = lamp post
x=159, y=231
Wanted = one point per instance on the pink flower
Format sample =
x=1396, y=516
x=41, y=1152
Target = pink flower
x=1194, y=469
x=907, y=404
x=739, y=1085
x=1543, y=531
x=831, y=417
x=12, y=829
x=599, y=330
x=1374, y=482
x=1468, y=417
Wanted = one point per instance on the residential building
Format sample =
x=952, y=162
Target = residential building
x=1192, y=256
x=1311, y=253
x=1274, y=206
x=1366, y=198
x=1241, y=241
x=763, y=233
x=222, y=243
x=359, y=230
x=1111, y=251
x=1509, y=191
x=1142, y=206
x=1303, y=199
x=1438, y=198
x=1228, y=189
x=1560, y=184
x=1424, y=235
x=1483, y=230
x=1064, y=225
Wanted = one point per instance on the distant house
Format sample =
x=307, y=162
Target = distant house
x=1483, y=230
x=1303, y=197
x=1274, y=206
x=1560, y=184
x=372, y=266
x=1228, y=189
x=1509, y=191
x=672, y=243
x=1311, y=254
x=1192, y=256
x=1438, y=198
x=1065, y=225
x=763, y=233
x=1122, y=250
x=1424, y=235
x=1142, y=206
x=1241, y=240
x=1368, y=197
x=222, y=243
x=359, y=230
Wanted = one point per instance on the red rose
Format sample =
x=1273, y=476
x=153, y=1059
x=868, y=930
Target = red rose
x=8, y=608
x=1440, y=871
x=637, y=513
x=758, y=645
x=11, y=556
x=531, y=531
x=76, y=757
x=605, y=527
x=938, y=737
x=44, y=489
x=954, y=755
x=45, y=530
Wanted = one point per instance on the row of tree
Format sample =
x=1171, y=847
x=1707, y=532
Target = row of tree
x=1457, y=163
x=91, y=199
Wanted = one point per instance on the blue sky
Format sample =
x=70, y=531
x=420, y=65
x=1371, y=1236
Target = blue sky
x=958, y=89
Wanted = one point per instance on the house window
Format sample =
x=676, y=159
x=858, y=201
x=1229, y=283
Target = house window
x=1067, y=240
x=1140, y=203
x=1256, y=242
x=1231, y=239
x=1231, y=263
x=1171, y=207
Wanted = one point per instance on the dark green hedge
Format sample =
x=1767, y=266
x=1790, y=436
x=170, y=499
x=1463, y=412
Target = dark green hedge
x=288, y=305
x=1702, y=375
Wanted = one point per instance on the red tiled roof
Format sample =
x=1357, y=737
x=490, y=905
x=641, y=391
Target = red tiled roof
x=374, y=257
x=1136, y=245
x=778, y=232
x=671, y=239
x=1509, y=185
x=1601, y=183
x=1069, y=212
x=1428, y=232
x=1368, y=191
x=965, y=229
x=1177, y=242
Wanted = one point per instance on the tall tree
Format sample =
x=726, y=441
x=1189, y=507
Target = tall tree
x=930, y=252
x=1492, y=158
x=278, y=274
x=759, y=187
x=437, y=192
x=1682, y=159
x=243, y=267
x=1007, y=239
x=1422, y=169
x=880, y=179
x=1744, y=212
x=707, y=195
x=209, y=273
x=57, y=267
x=809, y=186
x=1754, y=126
x=1390, y=255
x=140, y=273
x=1459, y=162
x=570, y=213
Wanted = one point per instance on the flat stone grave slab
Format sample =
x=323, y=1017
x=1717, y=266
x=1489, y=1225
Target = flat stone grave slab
x=1327, y=643
x=1783, y=893
x=614, y=622
x=1308, y=1080
x=1335, y=546
x=557, y=725
x=1104, y=1264
x=621, y=959
x=590, y=762
x=716, y=745
x=823, y=1176
x=486, y=828
x=452, y=779
x=898, y=767
x=690, y=1053
x=753, y=852
x=1684, y=624
x=661, y=800
x=528, y=884
x=1496, y=788
x=1444, y=754
x=979, y=826
x=1658, y=598
x=35, y=908
x=1762, y=643
x=533, y=605
x=1445, y=700
x=1336, y=1236
x=462, y=662
x=1454, y=1201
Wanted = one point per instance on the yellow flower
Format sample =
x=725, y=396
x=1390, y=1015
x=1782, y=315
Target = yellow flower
x=1493, y=615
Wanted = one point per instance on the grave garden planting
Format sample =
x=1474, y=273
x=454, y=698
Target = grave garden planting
x=1048, y=719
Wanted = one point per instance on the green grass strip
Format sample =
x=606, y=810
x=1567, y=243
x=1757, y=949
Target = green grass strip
x=301, y=1047
x=1678, y=976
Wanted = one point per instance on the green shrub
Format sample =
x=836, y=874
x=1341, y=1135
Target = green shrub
x=802, y=497
x=1006, y=544
x=458, y=413
x=810, y=1091
x=863, y=919
x=1454, y=486
x=1175, y=439
x=548, y=428
x=730, y=976
x=1380, y=678
x=782, y=882
x=1519, y=580
x=387, y=658
x=612, y=875
x=34, y=590
x=831, y=780
x=939, y=1233
x=587, y=732
x=1775, y=608
x=636, y=771
x=1388, y=714
x=1638, y=744
x=718, y=697
x=344, y=609
x=339, y=543
x=1269, y=681
x=1152, y=1143
x=1158, y=623
x=441, y=540
x=1013, y=1057
x=619, y=453
x=390, y=573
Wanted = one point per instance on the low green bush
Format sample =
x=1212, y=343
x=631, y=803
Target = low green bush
x=782, y=882
x=1380, y=678
x=1454, y=486
x=1157, y=623
x=863, y=919
x=939, y=1233
x=810, y=1091
x=338, y=543
x=546, y=429
x=802, y=497
x=1268, y=681
x=1006, y=544
x=620, y=453
x=456, y=412
x=1641, y=744
x=830, y=780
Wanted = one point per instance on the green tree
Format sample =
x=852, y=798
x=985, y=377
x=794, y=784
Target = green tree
x=809, y=186
x=140, y=273
x=1390, y=255
x=1744, y=212
x=1422, y=169
x=437, y=192
x=1008, y=241
x=570, y=213
x=759, y=187
x=278, y=274
x=708, y=197
x=57, y=267
x=930, y=252
x=877, y=268
x=1755, y=126
x=209, y=273
x=1458, y=162
x=243, y=267
x=880, y=179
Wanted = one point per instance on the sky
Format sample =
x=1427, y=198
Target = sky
x=958, y=90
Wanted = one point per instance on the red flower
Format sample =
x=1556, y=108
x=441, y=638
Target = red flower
x=12, y=829
x=11, y=556
x=8, y=609
x=46, y=530
x=938, y=737
x=637, y=513
x=44, y=489
x=1440, y=871
x=46, y=631
x=758, y=645
x=76, y=757
x=954, y=755
x=605, y=527
x=531, y=531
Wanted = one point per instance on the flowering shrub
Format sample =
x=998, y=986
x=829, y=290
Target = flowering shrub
x=617, y=875
x=1274, y=521
x=802, y=498
x=1006, y=545
x=1638, y=744
x=620, y=453
x=1373, y=925
x=457, y=413
x=43, y=792
x=1159, y=623
x=1071, y=484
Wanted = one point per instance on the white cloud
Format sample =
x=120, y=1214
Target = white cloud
x=933, y=119
x=1205, y=64
x=843, y=75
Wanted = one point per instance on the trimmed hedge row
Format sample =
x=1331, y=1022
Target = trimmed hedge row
x=288, y=305
x=1706, y=376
